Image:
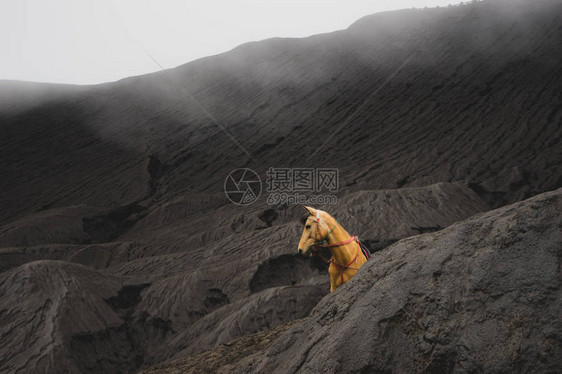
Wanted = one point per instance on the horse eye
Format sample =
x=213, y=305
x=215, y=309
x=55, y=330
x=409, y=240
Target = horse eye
x=307, y=226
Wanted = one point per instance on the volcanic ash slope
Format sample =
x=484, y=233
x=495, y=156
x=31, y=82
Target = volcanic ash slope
x=482, y=295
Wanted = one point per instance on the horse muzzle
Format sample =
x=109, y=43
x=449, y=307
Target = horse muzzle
x=306, y=252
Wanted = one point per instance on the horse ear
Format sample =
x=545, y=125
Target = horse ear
x=309, y=210
x=306, y=211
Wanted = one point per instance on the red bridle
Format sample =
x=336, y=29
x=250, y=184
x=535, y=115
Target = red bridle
x=317, y=245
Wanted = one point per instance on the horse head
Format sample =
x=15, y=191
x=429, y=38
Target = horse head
x=315, y=223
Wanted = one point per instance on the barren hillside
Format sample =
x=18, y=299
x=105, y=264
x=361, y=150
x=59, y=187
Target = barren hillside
x=118, y=246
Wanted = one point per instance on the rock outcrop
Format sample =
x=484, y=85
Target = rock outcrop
x=48, y=310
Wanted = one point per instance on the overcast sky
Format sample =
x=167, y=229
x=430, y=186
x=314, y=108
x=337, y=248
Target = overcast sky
x=84, y=42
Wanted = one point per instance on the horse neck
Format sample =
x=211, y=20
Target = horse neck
x=343, y=254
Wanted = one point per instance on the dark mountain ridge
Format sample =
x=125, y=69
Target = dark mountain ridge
x=474, y=81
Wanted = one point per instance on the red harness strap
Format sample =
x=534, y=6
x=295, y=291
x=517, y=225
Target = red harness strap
x=331, y=260
x=344, y=267
x=353, y=238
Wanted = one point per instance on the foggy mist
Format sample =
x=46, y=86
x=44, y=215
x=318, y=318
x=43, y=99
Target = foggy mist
x=90, y=42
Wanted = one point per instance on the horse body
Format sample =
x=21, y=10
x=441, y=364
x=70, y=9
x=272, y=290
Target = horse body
x=347, y=255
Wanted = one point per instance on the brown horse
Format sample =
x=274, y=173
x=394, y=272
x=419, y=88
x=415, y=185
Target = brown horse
x=322, y=231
